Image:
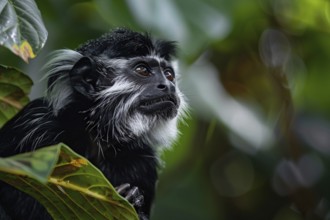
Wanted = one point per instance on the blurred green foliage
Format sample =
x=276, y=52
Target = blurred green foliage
x=256, y=74
x=14, y=90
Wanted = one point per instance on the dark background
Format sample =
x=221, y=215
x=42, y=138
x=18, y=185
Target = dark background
x=256, y=75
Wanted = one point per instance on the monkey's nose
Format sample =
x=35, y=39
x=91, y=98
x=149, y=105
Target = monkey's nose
x=162, y=87
x=165, y=87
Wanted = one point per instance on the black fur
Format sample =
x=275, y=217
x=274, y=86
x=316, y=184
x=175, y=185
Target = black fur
x=124, y=43
x=131, y=161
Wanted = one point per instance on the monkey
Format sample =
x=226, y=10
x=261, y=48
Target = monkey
x=114, y=100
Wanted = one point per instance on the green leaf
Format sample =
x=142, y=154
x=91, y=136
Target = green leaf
x=21, y=28
x=37, y=165
x=14, y=89
x=75, y=189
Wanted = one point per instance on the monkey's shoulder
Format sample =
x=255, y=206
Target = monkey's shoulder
x=34, y=126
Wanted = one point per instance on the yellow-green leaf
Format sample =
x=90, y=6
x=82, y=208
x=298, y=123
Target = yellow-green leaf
x=79, y=189
x=24, y=50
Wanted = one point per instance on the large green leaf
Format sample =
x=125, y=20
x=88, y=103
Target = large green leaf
x=74, y=190
x=21, y=27
x=37, y=165
x=14, y=89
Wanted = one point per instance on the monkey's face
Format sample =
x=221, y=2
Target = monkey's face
x=159, y=95
x=136, y=97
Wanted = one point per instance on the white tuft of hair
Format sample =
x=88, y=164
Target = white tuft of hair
x=60, y=92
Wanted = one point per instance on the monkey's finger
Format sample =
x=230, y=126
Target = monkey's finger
x=123, y=188
x=132, y=194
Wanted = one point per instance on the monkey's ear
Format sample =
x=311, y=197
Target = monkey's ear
x=84, y=76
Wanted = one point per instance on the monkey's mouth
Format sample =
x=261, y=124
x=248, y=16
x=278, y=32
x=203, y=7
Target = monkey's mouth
x=159, y=104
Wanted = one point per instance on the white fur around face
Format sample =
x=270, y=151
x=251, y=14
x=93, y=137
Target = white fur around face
x=164, y=133
x=155, y=131
x=121, y=86
x=139, y=124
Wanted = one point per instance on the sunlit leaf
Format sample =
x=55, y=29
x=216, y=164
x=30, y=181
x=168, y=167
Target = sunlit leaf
x=21, y=28
x=79, y=190
x=14, y=89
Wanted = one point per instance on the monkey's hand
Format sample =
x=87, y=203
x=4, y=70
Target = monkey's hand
x=134, y=196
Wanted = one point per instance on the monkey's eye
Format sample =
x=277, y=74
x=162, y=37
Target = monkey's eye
x=169, y=74
x=142, y=70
